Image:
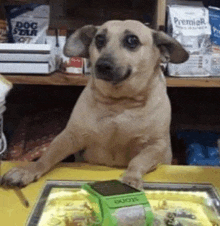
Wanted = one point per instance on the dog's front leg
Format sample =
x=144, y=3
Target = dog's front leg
x=62, y=146
x=147, y=161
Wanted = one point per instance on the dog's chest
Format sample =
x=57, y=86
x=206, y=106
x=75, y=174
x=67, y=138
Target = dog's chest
x=113, y=128
x=114, y=138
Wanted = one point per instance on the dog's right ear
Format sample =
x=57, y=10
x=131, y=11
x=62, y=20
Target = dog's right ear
x=171, y=50
x=78, y=43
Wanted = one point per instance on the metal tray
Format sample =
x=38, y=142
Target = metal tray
x=64, y=203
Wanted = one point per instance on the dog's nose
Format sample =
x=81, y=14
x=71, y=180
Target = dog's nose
x=104, y=66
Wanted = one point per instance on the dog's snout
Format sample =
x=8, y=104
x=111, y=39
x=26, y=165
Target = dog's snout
x=107, y=69
x=104, y=66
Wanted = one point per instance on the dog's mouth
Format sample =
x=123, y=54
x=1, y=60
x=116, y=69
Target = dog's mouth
x=107, y=71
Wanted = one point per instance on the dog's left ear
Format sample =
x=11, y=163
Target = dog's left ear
x=78, y=43
x=170, y=49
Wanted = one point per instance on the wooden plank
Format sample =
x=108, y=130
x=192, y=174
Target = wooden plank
x=56, y=78
x=59, y=78
x=211, y=82
x=161, y=13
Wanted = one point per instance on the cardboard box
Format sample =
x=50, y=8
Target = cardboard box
x=75, y=65
x=26, y=58
x=25, y=68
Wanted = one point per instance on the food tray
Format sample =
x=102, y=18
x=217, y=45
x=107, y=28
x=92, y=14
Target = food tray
x=64, y=203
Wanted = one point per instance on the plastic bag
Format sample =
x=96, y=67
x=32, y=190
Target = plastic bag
x=190, y=26
x=27, y=23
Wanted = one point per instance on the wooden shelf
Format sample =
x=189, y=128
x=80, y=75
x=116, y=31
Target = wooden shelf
x=212, y=82
x=56, y=78
x=59, y=78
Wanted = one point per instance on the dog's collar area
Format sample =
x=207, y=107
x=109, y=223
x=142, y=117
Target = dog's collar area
x=124, y=101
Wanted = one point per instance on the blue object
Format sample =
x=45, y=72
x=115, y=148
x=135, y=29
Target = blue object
x=208, y=162
x=213, y=152
x=214, y=20
x=194, y=153
x=201, y=147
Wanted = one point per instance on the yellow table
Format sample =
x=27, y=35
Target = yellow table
x=13, y=213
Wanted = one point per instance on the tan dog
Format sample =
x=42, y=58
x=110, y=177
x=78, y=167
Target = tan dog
x=122, y=117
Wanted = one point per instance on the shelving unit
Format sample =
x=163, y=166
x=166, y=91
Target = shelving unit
x=72, y=15
x=59, y=78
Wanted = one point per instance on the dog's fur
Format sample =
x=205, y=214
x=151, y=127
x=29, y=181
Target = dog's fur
x=122, y=117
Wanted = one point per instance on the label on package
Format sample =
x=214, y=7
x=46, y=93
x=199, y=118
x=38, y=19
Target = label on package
x=190, y=21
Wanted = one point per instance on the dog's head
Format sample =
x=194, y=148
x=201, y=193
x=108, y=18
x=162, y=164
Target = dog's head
x=119, y=50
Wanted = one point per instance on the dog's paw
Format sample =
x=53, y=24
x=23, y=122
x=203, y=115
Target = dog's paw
x=133, y=181
x=19, y=177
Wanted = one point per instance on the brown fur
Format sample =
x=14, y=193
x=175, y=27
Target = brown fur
x=118, y=124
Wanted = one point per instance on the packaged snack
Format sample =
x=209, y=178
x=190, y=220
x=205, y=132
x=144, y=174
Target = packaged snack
x=28, y=23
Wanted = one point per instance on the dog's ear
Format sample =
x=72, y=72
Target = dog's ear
x=170, y=49
x=78, y=43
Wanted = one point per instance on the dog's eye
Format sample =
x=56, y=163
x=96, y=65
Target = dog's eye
x=100, y=41
x=131, y=41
